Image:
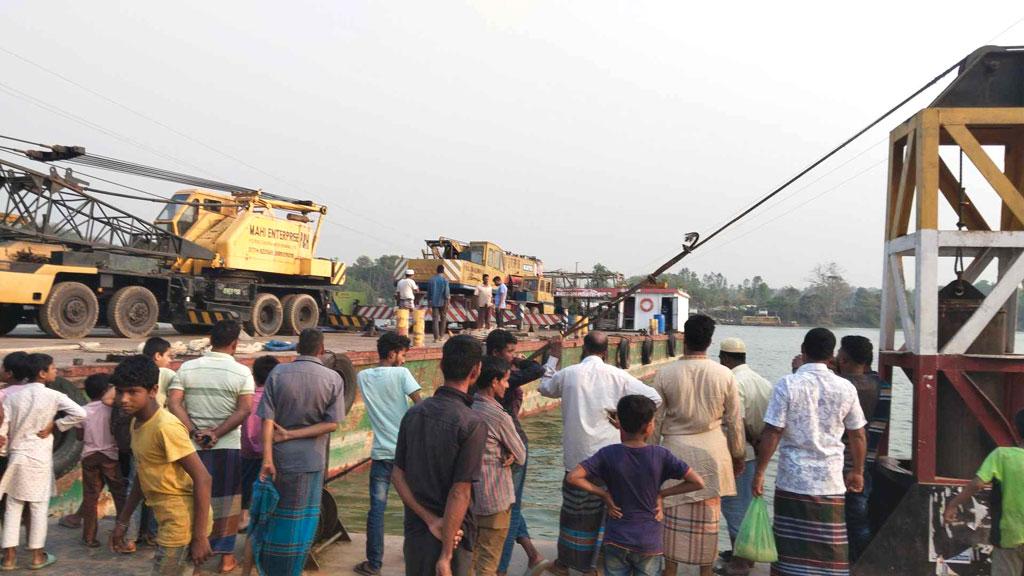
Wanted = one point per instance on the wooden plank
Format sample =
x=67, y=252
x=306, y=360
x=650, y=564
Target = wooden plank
x=897, y=149
x=905, y=194
x=991, y=116
x=1006, y=286
x=1011, y=196
x=899, y=288
x=950, y=189
x=926, y=292
x=927, y=153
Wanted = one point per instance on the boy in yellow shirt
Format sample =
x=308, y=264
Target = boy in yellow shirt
x=171, y=477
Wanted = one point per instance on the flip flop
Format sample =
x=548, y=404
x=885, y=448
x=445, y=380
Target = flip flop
x=4, y=568
x=50, y=560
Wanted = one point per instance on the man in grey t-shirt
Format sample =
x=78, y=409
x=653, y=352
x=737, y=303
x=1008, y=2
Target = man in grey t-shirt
x=303, y=402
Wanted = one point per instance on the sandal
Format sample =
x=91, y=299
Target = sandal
x=365, y=569
x=50, y=560
x=91, y=543
x=6, y=568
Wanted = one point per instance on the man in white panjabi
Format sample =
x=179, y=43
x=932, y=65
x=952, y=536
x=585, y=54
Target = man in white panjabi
x=28, y=481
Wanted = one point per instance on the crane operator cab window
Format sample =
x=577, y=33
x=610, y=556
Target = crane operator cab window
x=495, y=259
x=186, y=215
x=475, y=255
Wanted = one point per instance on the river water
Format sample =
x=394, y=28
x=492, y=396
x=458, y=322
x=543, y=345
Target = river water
x=769, y=352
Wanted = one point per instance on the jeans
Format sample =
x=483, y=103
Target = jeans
x=734, y=508
x=440, y=321
x=858, y=524
x=380, y=482
x=622, y=562
x=517, y=526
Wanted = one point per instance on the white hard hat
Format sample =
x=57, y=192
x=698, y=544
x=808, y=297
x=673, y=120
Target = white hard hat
x=410, y=272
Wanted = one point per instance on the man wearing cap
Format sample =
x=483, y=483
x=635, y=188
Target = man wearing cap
x=755, y=392
x=405, y=291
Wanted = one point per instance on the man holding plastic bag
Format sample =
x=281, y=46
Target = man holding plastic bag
x=807, y=416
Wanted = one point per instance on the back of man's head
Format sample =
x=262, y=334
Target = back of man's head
x=859, y=349
x=634, y=412
x=697, y=332
x=595, y=344
x=155, y=345
x=819, y=344
x=136, y=371
x=262, y=367
x=225, y=333
x=391, y=342
x=311, y=342
x=498, y=340
x=440, y=269
x=459, y=356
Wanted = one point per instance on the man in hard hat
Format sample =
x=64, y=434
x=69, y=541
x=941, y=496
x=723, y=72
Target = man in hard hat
x=755, y=392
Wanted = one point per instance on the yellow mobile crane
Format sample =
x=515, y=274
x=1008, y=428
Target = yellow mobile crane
x=71, y=261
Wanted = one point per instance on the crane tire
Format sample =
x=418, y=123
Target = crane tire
x=70, y=312
x=300, y=312
x=647, y=351
x=10, y=317
x=133, y=312
x=343, y=365
x=622, y=353
x=67, y=451
x=267, y=315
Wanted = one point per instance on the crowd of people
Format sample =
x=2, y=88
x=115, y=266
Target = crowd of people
x=193, y=457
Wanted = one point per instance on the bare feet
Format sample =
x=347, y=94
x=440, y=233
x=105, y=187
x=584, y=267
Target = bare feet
x=228, y=563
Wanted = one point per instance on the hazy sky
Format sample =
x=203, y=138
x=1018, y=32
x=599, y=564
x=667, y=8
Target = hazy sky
x=585, y=132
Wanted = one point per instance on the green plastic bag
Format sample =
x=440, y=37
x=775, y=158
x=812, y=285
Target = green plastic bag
x=756, y=541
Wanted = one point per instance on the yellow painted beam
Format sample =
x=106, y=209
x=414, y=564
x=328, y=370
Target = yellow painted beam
x=1012, y=198
x=927, y=154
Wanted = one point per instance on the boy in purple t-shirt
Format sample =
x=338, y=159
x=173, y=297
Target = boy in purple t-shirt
x=633, y=473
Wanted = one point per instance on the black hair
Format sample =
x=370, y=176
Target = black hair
x=487, y=275
x=493, y=368
x=819, y=344
x=634, y=412
x=697, y=332
x=496, y=279
x=38, y=363
x=138, y=371
x=1018, y=421
x=261, y=368
x=859, y=349
x=459, y=356
x=740, y=357
x=311, y=340
x=440, y=268
x=224, y=333
x=17, y=364
x=498, y=340
x=96, y=385
x=155, y=345
x=595, y=343
x=391, y=342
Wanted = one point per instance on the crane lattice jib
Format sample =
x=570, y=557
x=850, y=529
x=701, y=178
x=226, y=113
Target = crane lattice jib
x=56, y=209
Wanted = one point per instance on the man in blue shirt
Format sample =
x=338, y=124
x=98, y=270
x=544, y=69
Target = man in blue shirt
x=500, y=300
x=386, y=390
x=439, y=293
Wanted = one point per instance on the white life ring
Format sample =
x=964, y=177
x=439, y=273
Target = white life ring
x=646, y=305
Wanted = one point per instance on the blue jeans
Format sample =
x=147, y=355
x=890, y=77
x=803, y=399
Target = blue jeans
x=734, y=508
x=517, y=525
x=622, y=562
x=858, y=524
x=380, y=482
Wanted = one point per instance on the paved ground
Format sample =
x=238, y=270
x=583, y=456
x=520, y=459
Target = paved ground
x=77, y=560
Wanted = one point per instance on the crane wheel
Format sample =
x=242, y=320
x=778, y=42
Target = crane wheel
x=10, y=317
x=267, y=315
x=132, y=312
x=70, y=311
x=300, y=312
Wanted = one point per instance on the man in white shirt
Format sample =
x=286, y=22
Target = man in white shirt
x=590, y=391
x=755, y=392
x=405, y=291
x=806, y=418
x=484, y=302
